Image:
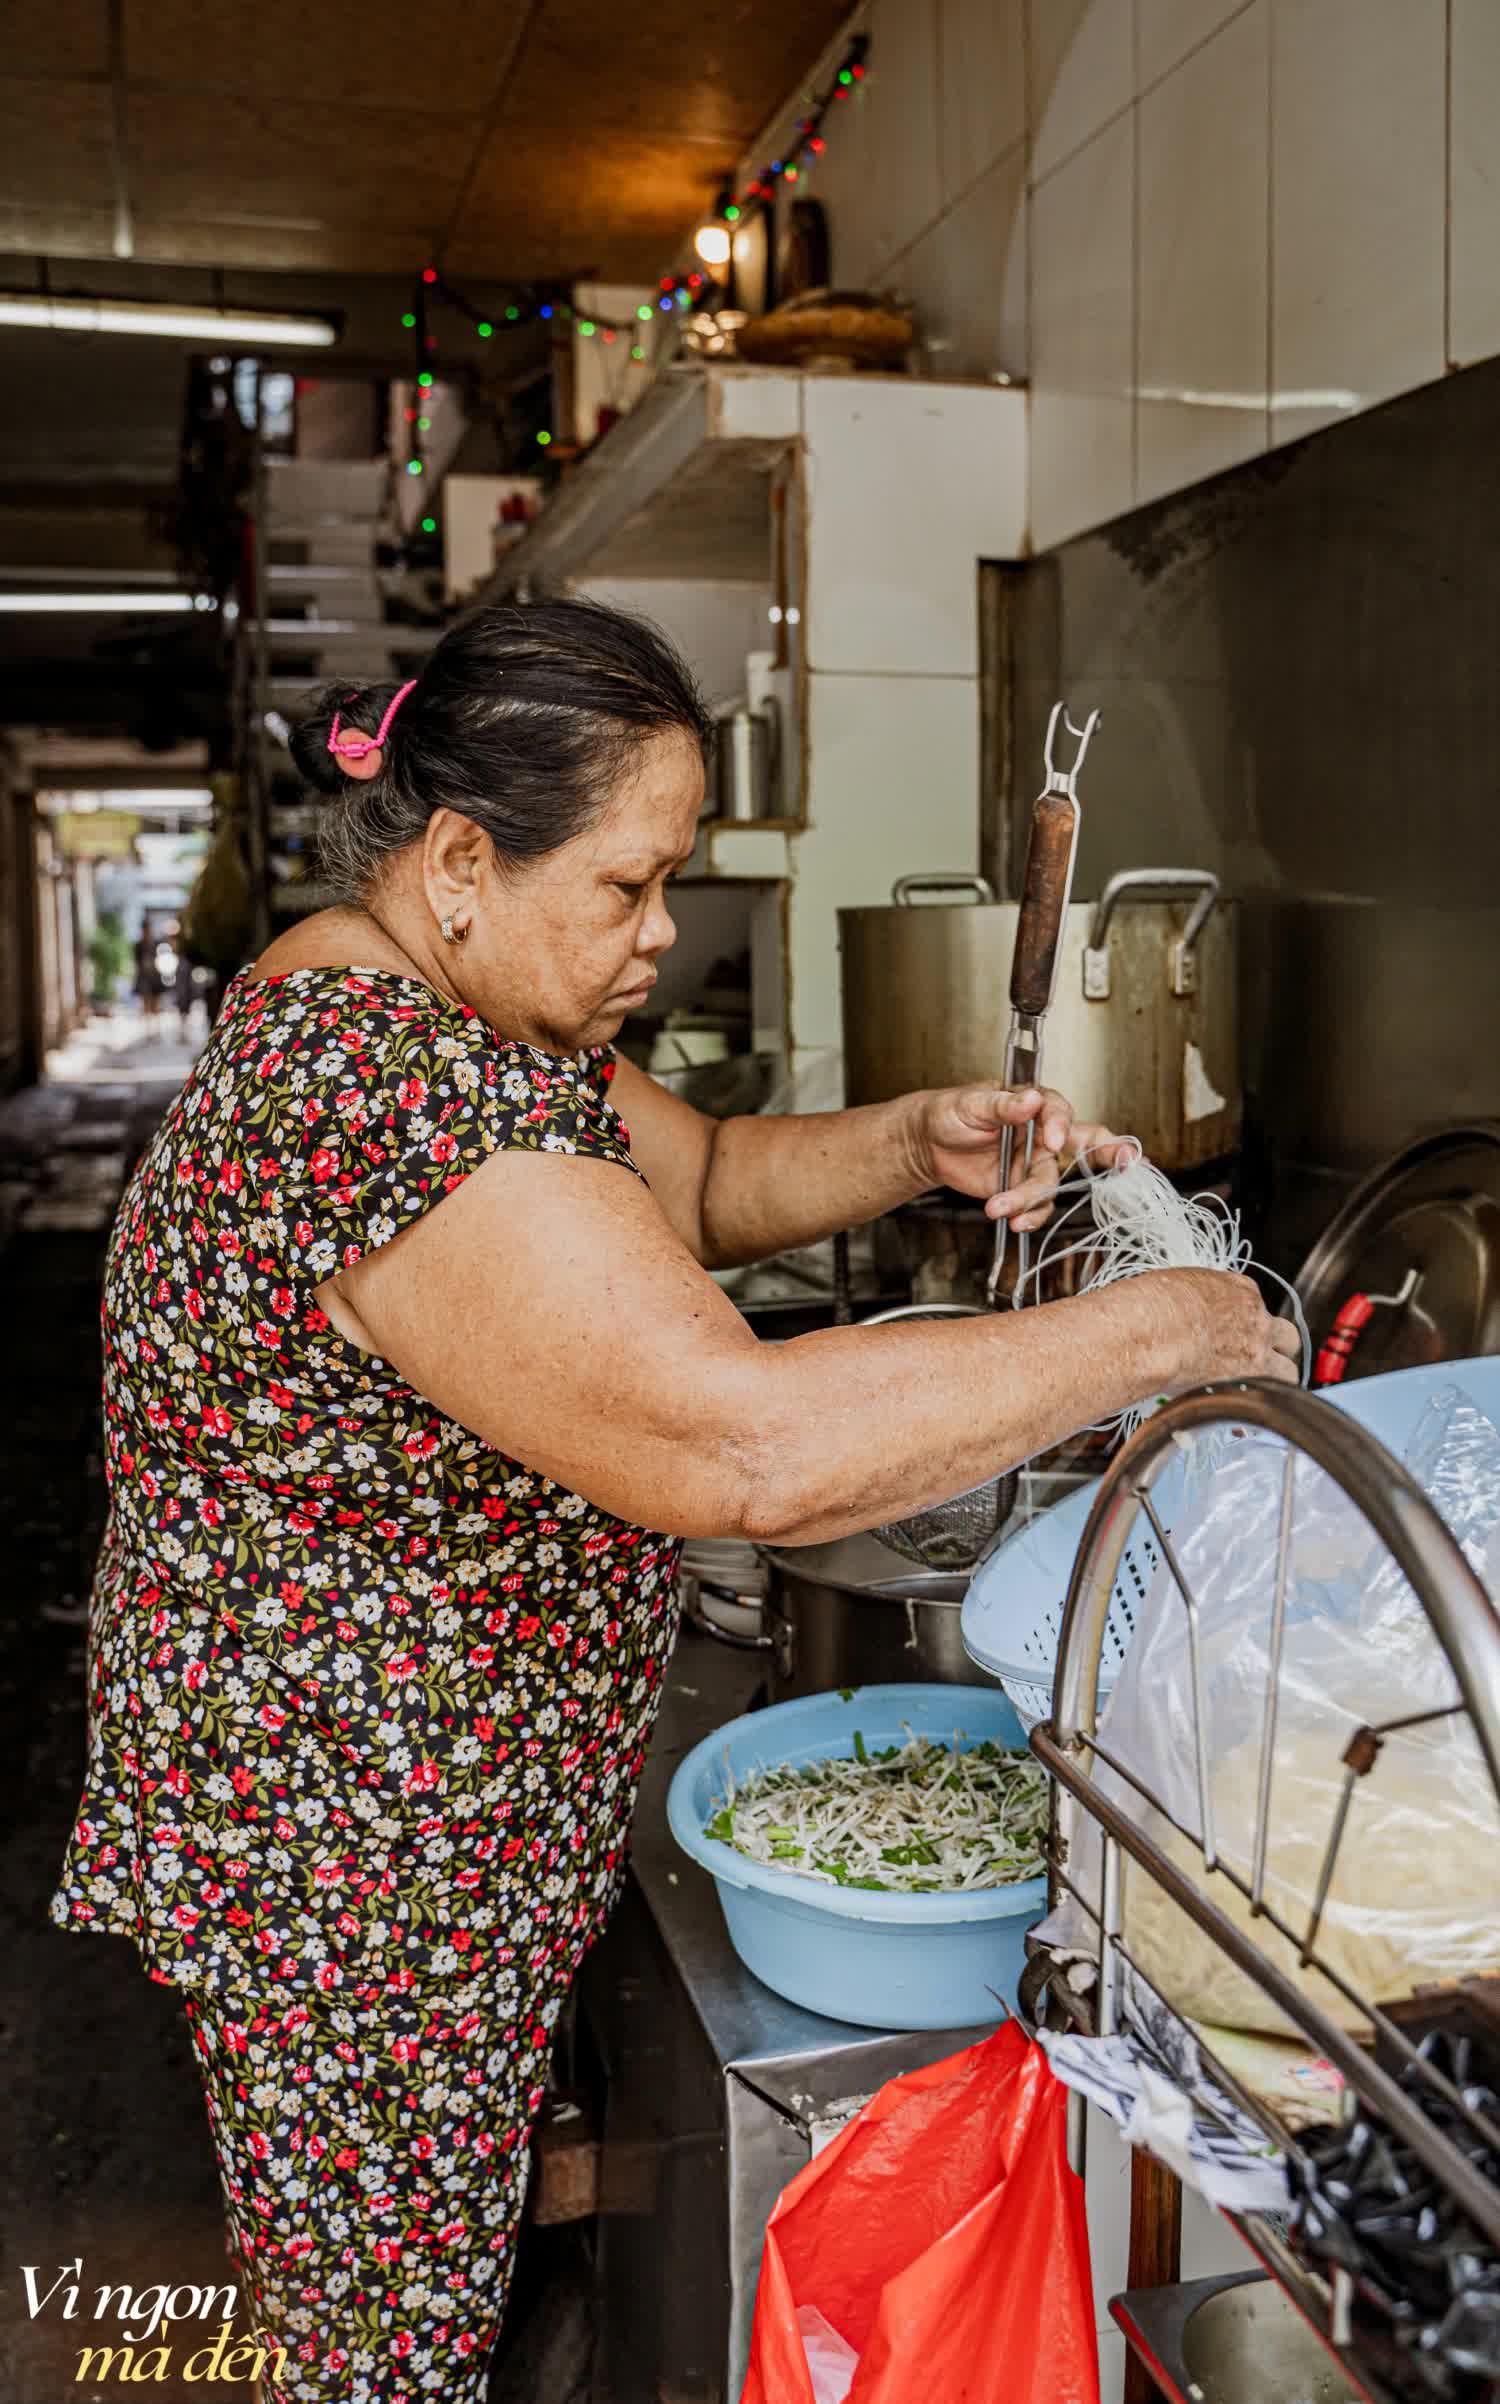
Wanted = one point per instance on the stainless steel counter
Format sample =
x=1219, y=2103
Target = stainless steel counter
x=718, y=2091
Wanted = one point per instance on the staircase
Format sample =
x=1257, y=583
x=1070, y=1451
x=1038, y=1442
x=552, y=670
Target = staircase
x=324, y=616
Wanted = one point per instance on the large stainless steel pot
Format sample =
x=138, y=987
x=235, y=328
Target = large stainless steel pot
x=1143, y=1031
x=853, y=1613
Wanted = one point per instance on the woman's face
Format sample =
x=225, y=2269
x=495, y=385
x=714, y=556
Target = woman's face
x=560, y=952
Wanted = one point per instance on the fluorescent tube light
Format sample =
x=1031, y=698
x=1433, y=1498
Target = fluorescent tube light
x=58, y=798
x=102, y=605
x=48, y=314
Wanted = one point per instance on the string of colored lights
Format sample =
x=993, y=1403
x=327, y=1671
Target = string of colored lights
x=530, y=304
x=807, y=142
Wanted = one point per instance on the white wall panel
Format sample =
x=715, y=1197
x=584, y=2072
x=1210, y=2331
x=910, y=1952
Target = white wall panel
x=1474, y=196
x=1166, y=30
x=981, y=69
x=1358, y=142
x=1080, y=70
x=970, y=272
x=909, y=486
x=1201, y=273
x=1082, y=449
x=895, y=786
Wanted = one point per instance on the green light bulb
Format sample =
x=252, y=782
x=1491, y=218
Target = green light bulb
x=732, y=214
x=425, y=381
x=429, y=525
x=414, y=467
x=585, y=325
x=636, y=352
x=512, y=313
x=485, y=329
x=644, y=312
x=544, y=438
x=424, y=425
x=408, y=321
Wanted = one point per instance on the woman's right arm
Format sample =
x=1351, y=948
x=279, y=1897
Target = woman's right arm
x=547, y=1305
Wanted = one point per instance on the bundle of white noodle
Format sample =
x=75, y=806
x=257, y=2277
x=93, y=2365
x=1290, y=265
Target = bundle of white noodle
x=915, y=1819
x=1140, y=1222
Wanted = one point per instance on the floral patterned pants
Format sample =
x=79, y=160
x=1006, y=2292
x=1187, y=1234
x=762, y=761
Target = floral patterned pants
x=373, y=2154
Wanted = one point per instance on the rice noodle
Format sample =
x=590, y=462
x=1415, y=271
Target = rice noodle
x=918, y=1819
x=1141, y=1222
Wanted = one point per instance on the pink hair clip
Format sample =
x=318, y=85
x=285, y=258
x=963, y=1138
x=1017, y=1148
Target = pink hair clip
x=358, y=747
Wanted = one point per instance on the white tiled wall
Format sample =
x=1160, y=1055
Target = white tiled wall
x=1082, y=464
x=1080, y=73
x=981, y=85
x=1201, y=227
x=1474, y=187
x=907, y=487
x=1202, y=143
x=895, y=772
x=1359, y=214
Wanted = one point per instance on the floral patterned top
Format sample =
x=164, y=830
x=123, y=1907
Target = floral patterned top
x=368, y=1700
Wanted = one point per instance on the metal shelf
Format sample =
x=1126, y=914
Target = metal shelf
x=679, y=488
x=1466, y=1625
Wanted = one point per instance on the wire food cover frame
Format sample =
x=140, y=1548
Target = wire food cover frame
x=1466, y=1625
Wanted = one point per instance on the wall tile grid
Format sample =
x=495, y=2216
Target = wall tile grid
x=1289, y=205
x=1202, y=261
x=897, y=759
x=1204, y=228
x=1082, y=462
x=1474, y=183
x=1358, y=205
x=908, y=485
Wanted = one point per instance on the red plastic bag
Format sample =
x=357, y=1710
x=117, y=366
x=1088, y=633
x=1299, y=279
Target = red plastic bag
x=942, y=2233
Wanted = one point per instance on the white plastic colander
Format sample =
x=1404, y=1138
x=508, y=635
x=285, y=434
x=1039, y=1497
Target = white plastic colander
x=1012, y=1613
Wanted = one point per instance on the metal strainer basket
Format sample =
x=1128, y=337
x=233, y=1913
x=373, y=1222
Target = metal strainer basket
x=955, y=1534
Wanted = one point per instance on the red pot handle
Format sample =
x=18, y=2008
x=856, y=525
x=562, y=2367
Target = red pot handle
x=1353, y=1318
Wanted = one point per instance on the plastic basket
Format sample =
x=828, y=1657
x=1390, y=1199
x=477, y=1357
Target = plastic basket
x=870, y=1959
x=1012, y=1613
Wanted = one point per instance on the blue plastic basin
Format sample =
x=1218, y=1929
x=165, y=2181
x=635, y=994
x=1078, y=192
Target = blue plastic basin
x=880, y=1961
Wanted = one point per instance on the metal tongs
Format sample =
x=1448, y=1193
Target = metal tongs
x=1047, y=885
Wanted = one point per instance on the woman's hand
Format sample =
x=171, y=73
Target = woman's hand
x=1213, y=1325
x=958, y=1144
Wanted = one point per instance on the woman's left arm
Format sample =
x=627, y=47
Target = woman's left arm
x=741, y=1189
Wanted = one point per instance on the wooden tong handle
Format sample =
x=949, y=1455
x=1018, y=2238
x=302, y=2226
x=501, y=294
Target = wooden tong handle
x=1044, y=899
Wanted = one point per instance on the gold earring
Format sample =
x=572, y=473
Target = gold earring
x=451, y=933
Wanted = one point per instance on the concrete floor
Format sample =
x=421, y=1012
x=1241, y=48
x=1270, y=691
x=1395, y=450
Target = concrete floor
x=103, y=2139
x=102, y=2131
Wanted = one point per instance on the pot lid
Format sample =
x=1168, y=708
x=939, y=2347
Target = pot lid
x=1420, y=1239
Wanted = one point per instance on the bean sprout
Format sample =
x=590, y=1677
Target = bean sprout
x=916, y=1819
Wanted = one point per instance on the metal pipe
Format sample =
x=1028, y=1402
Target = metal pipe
x=1195, y=1654
x=1476, y=2195
x=1273, y=1682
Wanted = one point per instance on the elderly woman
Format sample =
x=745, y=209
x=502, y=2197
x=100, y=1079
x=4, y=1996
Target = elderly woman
x=415, y=1376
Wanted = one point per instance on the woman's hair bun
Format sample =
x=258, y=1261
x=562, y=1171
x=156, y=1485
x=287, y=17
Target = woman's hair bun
x=359, y=712
x=524, y=717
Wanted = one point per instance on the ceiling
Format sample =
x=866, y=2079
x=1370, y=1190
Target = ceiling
x=286, y=155
x=512, y=138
